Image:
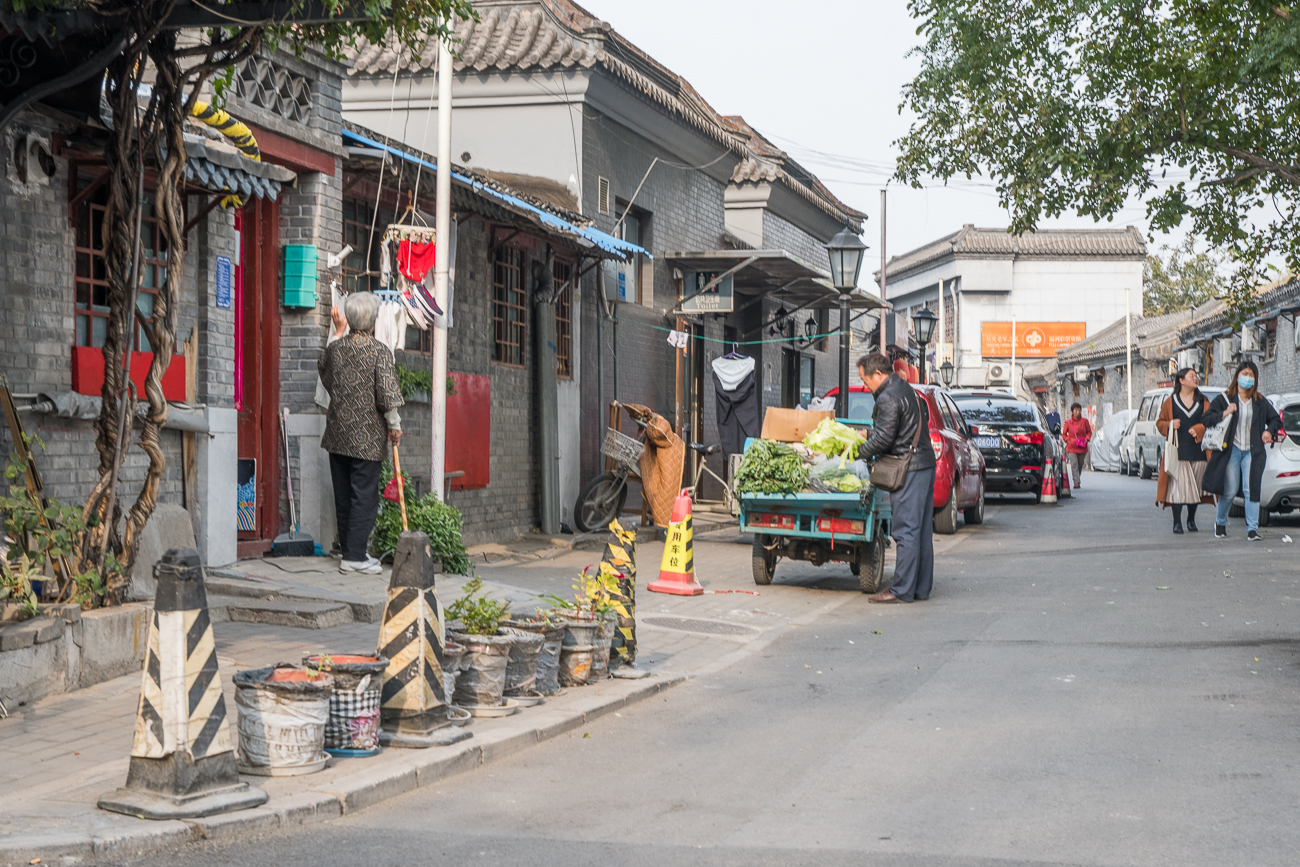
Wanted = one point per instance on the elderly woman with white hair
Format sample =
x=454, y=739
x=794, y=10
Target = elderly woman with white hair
x=357, y=371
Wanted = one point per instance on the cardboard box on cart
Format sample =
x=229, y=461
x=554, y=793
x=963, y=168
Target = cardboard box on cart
x=791, y=425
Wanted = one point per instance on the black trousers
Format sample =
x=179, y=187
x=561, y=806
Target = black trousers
x=356, y=502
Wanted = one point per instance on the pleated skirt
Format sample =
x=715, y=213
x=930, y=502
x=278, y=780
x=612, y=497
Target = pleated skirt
x=1185, y=485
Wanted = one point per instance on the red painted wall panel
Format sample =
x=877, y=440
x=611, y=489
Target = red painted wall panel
x=88, y=372
x=469, y=431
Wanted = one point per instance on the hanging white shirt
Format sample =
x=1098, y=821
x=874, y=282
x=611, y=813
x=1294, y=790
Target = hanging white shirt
x=732, y=371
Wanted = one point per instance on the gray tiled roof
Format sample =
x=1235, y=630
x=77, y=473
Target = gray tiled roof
x=522, y=35
x=971, y=242
x=216, y=167
x=1149, y=332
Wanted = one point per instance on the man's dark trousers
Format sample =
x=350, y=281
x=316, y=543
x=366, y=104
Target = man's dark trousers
x=913, y=532
x=356, y=502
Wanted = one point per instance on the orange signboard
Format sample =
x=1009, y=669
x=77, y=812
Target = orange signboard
x=1033, y=339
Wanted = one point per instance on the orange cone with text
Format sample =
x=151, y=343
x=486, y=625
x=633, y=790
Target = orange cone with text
x=1049, y=482
x=677, y=571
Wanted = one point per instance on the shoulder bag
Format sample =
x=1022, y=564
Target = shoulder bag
x=1216, y=438
x=889, y=472
x=1171, y=451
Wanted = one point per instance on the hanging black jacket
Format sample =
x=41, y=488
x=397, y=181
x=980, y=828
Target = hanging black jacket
x=737, y=413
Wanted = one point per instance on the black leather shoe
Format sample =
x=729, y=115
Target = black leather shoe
x=1178, y=527
x=1191, y=526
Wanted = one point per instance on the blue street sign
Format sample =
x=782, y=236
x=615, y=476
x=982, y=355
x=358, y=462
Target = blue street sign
x=224, y=282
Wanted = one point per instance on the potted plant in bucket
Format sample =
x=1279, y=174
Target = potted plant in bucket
x=549, y=625
x=283, y=711
x=353, y=726
x=589, y=631
x=481, y=682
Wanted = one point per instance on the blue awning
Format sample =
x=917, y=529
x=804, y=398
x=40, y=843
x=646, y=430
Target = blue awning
x=592, y=235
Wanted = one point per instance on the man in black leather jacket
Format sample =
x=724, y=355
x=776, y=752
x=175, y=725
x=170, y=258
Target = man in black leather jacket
x=898, y=413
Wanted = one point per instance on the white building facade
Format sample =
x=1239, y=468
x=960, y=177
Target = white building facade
x=1053, y=287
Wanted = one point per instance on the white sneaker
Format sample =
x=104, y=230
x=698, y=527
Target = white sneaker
x=368, y=566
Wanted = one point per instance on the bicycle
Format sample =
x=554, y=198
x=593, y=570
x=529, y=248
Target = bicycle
x=728, y=496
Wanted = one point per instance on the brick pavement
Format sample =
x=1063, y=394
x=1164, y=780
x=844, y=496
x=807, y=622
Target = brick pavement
x=59, y=754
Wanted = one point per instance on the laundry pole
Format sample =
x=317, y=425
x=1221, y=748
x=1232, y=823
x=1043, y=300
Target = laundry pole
x=441, y=270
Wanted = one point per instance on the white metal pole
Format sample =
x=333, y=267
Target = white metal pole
x=1128, y=345
x=1013, y=355
x=882, y=271
x=441, y=268
x=938, y=357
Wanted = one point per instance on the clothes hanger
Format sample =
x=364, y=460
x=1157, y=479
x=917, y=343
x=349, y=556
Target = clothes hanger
x=733, y=353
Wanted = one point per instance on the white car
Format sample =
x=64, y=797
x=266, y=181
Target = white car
x=1103, y=451
x=1280, y=488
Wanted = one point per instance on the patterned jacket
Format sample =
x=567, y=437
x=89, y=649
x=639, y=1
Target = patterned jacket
x=358, y=373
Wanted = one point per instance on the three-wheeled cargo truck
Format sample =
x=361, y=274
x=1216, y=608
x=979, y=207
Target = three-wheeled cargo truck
x=820, y=528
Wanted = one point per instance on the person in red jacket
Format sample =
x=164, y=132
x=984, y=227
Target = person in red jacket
x=1077, y=433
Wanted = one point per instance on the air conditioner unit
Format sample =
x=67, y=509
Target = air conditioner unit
x=1250, y=340
x=1226, y=349
x=1081, y=373
x=999, y=374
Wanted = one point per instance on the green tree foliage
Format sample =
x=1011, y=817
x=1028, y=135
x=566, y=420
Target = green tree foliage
x=1180, y=279
x=1192, y=105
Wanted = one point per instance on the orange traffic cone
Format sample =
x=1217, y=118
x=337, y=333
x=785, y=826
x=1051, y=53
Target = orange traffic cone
x=1049, y=482
x=677, y=571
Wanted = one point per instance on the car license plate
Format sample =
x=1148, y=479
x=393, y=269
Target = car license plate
x=988, y=442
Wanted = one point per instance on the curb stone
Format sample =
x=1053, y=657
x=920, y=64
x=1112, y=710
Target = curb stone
x=405, y=771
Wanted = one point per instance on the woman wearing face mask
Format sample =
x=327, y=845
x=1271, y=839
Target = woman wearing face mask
x=1240, y=465
x=1183, y=412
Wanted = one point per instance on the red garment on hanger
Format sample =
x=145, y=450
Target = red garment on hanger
x=414, y=259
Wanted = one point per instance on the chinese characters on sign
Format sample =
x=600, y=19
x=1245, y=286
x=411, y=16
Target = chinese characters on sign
x=719, y=299
x=223, y=282
x=1033, y=339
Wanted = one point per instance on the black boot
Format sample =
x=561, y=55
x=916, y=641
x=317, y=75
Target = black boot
x=1178, y=520
x=1191, y=519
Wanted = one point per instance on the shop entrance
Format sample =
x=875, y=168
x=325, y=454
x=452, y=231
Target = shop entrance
x=797, y=380
x=257, y=373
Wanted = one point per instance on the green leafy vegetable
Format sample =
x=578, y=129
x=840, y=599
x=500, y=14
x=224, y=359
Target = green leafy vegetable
x=833, y=439
x=771, y=468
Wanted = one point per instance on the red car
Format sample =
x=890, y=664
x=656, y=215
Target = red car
x=959, y=472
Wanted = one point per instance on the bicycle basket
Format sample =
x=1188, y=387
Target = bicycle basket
x=623, y=448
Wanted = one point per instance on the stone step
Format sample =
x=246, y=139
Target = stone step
x=300, y=614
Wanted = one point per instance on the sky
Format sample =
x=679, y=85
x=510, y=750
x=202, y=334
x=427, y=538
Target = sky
x=823, y=80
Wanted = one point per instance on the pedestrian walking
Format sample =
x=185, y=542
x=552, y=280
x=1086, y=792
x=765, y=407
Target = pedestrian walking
x=1239, y=466
x=357, y=371
x=1077, y=433
x=895, y=419
x=1184, y=413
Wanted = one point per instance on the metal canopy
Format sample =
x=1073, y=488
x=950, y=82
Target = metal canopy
x=775, y=273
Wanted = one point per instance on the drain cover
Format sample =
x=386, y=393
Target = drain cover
x=710, y=627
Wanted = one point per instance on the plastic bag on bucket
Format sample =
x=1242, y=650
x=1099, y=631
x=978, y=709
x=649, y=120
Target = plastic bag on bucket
x=521, y=667
x=283, y=711
x=482, y=678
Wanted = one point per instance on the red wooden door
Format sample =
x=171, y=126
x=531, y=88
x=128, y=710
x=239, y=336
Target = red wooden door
x=257, y=371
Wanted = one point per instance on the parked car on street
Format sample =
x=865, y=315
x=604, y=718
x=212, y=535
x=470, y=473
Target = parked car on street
x=1018, y=447
x=1104, y=450
x=959, y=470
x=1143, y=448
x=1279, y=490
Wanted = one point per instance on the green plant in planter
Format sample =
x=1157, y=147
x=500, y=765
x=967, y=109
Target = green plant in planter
x=480, y=614
x=412, y=382
x=594, y=593
x=16, y=586
x=441, y=522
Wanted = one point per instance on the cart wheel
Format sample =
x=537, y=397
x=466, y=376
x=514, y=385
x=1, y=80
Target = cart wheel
x=600, y=502
x=871, y=564
x=764, y=562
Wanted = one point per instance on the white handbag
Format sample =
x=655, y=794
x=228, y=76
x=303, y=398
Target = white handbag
x=1216, y=438
x=1171, y=451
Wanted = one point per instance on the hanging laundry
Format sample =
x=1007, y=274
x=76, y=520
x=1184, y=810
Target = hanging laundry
x=390, y=325
x=415, y=259
x=385, y=261
x=735, y=390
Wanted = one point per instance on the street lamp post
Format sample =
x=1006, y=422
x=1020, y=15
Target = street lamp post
x=923, y=322
x=945, y=372
x=845, y=251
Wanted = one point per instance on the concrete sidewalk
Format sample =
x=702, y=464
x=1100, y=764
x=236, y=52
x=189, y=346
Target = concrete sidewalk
x=59, y=754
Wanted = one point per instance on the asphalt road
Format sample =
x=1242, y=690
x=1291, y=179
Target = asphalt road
x=1082, y=688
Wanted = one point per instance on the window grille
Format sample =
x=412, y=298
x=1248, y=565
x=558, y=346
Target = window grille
x=509, y=308
x=564, y=321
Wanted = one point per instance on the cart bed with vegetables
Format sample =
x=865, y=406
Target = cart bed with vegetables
x=810, y=500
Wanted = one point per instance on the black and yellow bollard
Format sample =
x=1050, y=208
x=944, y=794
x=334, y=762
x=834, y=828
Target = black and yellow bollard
x=413, y=706
x=183, y=757
x=620, y=554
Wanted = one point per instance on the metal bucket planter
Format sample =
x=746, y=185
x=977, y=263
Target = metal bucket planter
x=521, y=667
x=482, y=678
x=283, y=711
x=604, y=637
x=575, y=664
x=548, y=660
x=452, y=656
x=353, y=727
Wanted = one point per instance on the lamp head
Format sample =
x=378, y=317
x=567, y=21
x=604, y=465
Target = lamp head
x=846, y=252
x=923, y=321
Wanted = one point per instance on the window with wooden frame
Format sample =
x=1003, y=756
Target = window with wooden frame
x=91, y=278
x=360, y=267
x=1101, y=382
x=509, y=308
x=564, y=320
